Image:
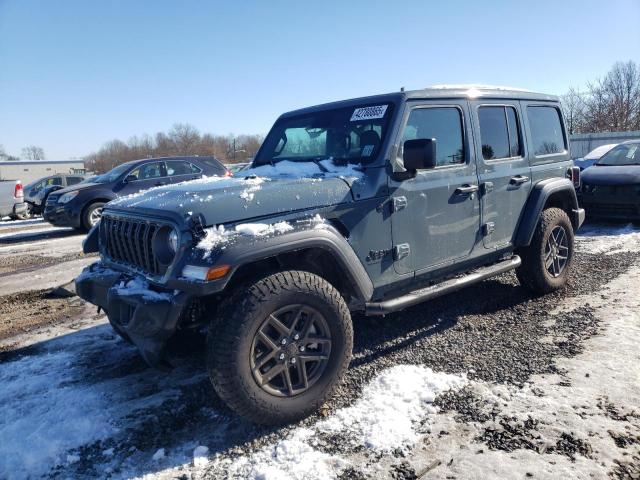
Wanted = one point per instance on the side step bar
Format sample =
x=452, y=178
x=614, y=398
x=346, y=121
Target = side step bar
x=437, y=290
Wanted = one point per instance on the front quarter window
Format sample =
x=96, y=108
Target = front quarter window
x=347, y=135
x=442, y=123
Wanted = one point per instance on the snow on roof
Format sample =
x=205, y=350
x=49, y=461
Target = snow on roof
x=476, y=86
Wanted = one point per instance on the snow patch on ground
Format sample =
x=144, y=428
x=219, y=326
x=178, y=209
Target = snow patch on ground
x=607, y=239
x=45, y=414
x=605, y=373
x=400, y=397
x=389, y=415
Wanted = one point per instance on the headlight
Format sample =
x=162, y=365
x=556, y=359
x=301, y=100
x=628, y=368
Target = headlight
x=165, y=244
x=173, y=241
x=67, y=197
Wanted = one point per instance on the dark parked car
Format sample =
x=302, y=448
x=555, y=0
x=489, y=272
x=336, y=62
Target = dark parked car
x=611, y=188
x=80, y=206
x=36, y=193
x=593, y=156
x=371, y=205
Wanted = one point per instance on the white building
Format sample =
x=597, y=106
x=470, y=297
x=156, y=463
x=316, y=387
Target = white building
x=29, y=170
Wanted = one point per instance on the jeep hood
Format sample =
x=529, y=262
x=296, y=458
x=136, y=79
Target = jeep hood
x=615, y=175
x=229, y=200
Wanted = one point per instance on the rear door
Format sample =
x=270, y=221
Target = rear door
x=503, y=169
x=182, y=171
x=436, y=214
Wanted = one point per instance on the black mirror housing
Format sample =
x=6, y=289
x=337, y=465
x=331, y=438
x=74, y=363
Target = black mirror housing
x=130, y=178
x=419, y=154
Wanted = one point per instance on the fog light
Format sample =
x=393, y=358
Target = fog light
x=205, y=273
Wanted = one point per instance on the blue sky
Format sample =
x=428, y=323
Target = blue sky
x=75, y=74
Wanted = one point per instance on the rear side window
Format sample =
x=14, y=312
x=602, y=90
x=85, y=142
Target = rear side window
x=547, y=136
x=149, y=171
x=74, y=180
x=177, y=167
x=499, y=132
x=217, y=167
x=445, y=125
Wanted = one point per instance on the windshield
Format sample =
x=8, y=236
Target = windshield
x=112, y=175
x=348, y=135
x=623, y=154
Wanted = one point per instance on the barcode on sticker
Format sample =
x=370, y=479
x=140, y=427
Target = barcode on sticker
x=368, y=113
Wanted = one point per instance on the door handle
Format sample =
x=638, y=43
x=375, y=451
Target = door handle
x=159, y=184
x=466, y=189
x=518, y=180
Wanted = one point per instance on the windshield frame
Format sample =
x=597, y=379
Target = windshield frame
x=127, y=167
x=617, y=148
x=387, y=130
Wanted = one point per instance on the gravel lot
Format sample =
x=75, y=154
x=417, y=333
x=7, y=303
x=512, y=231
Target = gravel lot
x=489, y=382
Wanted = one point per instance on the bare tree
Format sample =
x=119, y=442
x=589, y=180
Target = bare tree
x=182, y=139
x=610, y=104
x=573, y=104
x=185, y=137
x=33, y=153
x=622, y=90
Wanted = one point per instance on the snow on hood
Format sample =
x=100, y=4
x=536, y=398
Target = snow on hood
x=217, y=236
x=265, y=190
x=618, y=175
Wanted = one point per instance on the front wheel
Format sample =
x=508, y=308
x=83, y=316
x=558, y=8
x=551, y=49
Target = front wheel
x=280, y=347
x=91, y=215
x=546, y=262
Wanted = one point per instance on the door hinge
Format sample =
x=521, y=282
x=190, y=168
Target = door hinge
x=401, y=251
x=486, y=187
x=398, y=203
x=488, y=228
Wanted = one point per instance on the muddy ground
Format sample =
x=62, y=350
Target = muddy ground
x=526, y=409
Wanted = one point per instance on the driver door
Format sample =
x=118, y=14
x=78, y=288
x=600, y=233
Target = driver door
x=436, y=213
x=148, y=175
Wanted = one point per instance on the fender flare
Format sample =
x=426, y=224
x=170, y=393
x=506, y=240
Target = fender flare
x=538, y=198
x=327, y=238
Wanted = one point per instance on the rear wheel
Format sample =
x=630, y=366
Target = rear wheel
x=91, y=215
x=546, y=262
x=280, y=347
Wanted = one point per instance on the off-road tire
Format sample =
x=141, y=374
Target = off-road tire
x=230, y=337
x=533, y=274
x=85, y=222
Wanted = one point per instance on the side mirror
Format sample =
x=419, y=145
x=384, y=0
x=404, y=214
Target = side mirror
x=419, y=154
x=130, y=178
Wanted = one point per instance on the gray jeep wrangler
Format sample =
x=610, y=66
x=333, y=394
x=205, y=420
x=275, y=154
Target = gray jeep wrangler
x=371, y=205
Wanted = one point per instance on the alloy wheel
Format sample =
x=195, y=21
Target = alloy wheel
x=95, y=215
x=556, y=252
x=290, y=350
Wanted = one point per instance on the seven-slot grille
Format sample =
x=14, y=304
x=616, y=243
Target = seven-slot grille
x=130, y=241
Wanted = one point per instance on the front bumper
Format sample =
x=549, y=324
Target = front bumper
x=613, y=207
x=145, y=319
x=62, y=215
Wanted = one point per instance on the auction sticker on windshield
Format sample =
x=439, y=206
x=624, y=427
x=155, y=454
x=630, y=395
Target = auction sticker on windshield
x=368, y=113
